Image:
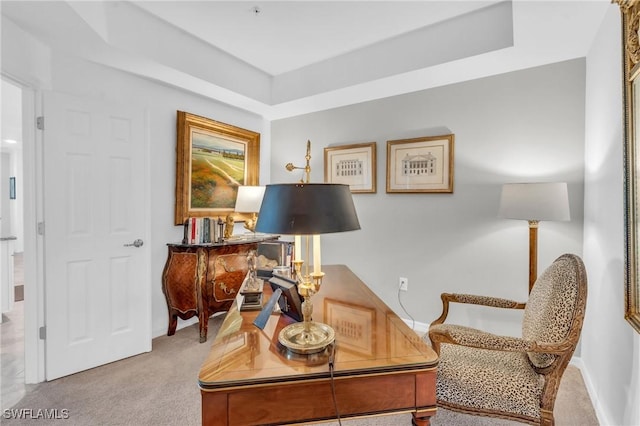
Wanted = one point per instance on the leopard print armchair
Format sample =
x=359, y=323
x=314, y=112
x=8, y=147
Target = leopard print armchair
x=516, y=378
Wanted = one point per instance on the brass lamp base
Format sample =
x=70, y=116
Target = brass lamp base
x=306, y=337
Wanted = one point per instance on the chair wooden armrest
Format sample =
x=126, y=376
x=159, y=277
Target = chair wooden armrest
x=467, y=336
x=493, y=302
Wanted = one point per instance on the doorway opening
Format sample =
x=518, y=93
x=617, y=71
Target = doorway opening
x=12, y=247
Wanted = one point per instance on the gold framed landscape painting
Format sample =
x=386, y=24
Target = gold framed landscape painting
x=422, y=164
x=353, y=165
x=212, y=160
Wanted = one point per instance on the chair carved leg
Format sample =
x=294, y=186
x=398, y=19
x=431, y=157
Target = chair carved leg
x=546, y=418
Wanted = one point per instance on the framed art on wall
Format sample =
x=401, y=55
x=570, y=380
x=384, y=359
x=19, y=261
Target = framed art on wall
x=631, y=71
x=212, y=160
x=422, y=164
x=353, y=165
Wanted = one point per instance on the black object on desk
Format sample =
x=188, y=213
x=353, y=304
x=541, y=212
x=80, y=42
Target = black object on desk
x=263, y=316
x=289, y=303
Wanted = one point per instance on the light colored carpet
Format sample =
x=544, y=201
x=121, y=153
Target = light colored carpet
x=160, y=388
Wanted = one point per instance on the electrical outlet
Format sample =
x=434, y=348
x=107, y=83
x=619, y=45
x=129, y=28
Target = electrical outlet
x=403, y=283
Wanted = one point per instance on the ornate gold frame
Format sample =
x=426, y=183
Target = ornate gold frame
x=400, y=181
x=250, y=141
x=364, y=151
x=631, y=57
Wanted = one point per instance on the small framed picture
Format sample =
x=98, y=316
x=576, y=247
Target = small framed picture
x=420, y=165
x=353, y=165
x=289, y=302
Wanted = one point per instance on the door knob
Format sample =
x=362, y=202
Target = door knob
x=137, y=243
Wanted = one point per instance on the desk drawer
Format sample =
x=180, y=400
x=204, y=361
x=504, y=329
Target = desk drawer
x=294, y=402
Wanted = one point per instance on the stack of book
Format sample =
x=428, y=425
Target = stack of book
x=202, y=230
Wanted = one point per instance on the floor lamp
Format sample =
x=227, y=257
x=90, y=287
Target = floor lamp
x=534, y=202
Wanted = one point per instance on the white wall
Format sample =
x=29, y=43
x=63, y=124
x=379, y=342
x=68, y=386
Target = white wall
x=610, y=347
x=521, y=126
x=79, y=78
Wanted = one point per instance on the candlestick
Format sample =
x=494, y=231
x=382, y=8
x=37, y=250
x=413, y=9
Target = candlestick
x=298, y=247
x=316, y=254
x=307, y=209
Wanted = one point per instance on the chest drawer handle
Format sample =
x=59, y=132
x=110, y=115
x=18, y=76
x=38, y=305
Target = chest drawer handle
x=226, y=289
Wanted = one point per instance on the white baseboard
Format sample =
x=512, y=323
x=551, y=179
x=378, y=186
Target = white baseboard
x=419, y=327
x=603, y=419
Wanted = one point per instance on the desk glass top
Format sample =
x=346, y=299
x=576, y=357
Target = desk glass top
x=370, y=339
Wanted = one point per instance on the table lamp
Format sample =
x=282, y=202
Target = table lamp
x=304, y=210
x=249, y=200
x=534, y=202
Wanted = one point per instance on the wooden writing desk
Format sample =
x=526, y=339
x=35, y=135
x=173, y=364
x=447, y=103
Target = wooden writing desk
x=381, y=365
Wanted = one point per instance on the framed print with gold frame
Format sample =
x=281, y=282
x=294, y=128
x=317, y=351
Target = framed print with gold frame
x=212, y=160
x=353, y=165
x=422, y=164
x=631, y=66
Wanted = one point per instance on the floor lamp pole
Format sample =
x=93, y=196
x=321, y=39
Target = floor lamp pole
x=533, y=253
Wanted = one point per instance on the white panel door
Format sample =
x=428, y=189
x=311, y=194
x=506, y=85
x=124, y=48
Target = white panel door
x=97, y=285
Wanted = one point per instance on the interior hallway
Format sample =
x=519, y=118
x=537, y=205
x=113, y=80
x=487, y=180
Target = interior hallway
x=12, y=344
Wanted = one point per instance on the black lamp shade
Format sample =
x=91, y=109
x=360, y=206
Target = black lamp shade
x=307, y=209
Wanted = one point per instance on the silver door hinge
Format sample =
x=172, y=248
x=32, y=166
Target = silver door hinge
x=43, y=333
x=40, y=122
x=40, y=228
